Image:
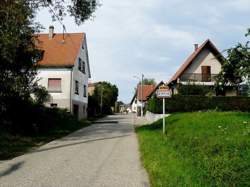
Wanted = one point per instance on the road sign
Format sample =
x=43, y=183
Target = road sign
x=163, y=92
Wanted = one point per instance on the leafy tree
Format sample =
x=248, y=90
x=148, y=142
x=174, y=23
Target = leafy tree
x=41, y=95
x=235, y=67
x=148, y=81
x=104, y=98
x=81, y=10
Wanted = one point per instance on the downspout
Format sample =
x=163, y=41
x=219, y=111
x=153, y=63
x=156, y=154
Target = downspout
x=71, y=83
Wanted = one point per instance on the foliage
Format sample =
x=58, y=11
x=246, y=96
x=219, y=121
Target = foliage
x=41, y=95
x=43, y=125
x=194, y=89
x=199, y=149
x=154, y=105
x=104, y=97
x=180, y=103
x=80, y=10
x=235, y=67
x=148, y=81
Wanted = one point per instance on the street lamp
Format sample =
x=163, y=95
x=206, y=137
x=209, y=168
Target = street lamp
x=142, y=76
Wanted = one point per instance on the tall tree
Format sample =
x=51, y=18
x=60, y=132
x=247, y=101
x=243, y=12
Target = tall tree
x=104, y=97
x=148, y=81
x=235, y=66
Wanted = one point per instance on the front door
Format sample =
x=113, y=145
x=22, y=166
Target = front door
x=206, y=73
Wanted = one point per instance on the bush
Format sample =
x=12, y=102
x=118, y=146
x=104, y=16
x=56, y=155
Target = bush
x=28, y=118
x=197, y=103
x=193, y=89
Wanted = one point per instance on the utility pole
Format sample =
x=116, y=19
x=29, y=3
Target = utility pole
x=101, y=98
x=142, y=95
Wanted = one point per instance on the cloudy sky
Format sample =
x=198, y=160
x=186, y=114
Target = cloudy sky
x=153, y=37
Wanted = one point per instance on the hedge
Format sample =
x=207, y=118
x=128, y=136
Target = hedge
x=199, y=103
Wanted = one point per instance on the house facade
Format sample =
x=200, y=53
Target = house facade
x=141, y=97
x=200, y=68
x=64, y=70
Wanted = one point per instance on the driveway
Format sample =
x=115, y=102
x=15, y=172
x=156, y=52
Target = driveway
x=103, y=154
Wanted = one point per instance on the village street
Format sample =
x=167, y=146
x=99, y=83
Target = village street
x=103, y=154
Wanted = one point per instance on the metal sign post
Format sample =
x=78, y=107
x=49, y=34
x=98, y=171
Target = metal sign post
x=163, y=112
x=163, y=92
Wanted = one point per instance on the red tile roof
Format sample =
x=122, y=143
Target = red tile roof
x=59, y=52
x=146, y=91
x=190, y=59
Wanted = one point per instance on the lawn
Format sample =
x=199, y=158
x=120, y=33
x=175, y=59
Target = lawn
x=199, y=149
x=14, y=145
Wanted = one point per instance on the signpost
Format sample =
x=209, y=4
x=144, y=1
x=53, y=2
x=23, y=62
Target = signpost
x=163, y=92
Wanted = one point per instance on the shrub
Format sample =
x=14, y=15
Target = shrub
x=192, y=89
x=197, y=103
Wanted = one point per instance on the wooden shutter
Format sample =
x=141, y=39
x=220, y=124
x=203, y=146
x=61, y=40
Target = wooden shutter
x=206, y=73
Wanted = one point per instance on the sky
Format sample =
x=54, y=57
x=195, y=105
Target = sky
x=153, y=37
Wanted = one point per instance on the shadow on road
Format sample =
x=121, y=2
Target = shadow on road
x=11, y=169
x=77, y=143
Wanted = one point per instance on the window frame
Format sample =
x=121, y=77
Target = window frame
x=84, y=91
x=54, y=90
x=83, y=67
x=79, y=64
x=76, y=87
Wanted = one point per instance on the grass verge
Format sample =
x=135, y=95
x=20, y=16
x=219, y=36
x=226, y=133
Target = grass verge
x=199, y=149
x=14, y=145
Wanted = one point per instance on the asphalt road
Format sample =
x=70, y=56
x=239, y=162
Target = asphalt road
x=103, y=154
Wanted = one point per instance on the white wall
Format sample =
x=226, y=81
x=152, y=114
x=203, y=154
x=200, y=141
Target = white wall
x=62, y=98
x=81, y=77
x=205, y=58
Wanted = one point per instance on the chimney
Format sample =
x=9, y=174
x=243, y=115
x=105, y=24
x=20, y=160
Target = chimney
x=196, y=46
x=51, y=32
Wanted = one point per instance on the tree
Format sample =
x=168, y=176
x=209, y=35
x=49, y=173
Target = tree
x=104, y=98
x=235, y=67
x=148, y=81
x=81, y=10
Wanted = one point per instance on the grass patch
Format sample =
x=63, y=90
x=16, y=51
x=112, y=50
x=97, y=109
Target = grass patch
x=199, y=149
x=12, y=145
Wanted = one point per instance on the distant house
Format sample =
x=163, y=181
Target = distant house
x=200, y=68
x=91, y=88
x=140, y=97
x=64, y=70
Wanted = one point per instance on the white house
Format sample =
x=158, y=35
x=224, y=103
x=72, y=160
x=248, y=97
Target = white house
x=200, y=68
x=64, y=70
x=141, y=97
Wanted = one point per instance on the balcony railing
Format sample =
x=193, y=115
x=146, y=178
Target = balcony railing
x=197, y=77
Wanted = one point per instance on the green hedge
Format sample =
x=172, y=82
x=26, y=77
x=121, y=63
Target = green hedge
x=197, y=103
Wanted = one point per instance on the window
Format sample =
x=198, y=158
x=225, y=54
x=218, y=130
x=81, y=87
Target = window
x=82, y=45
x=77, y=87
x=206, y=73
x=83, y=67
x=84, y=91
x=80, y=64
x=54, y=85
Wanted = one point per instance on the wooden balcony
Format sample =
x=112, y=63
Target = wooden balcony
x=197, y=77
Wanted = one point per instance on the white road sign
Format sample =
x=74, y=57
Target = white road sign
x=163, y=93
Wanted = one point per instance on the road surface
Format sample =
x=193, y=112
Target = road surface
x=103, y=154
